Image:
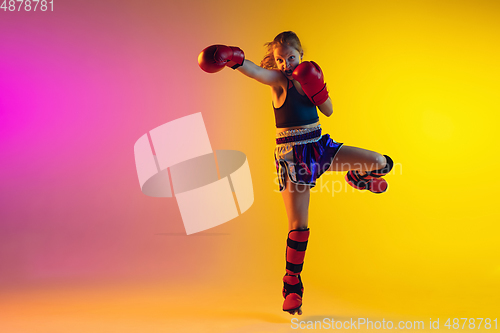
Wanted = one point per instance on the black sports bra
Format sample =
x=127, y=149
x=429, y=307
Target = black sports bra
x=297, y=110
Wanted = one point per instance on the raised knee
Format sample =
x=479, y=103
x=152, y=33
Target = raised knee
x=380, y=162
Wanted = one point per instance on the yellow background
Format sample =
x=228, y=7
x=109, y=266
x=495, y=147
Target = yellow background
x=416, y=80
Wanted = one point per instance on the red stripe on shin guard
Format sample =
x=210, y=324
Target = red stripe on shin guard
x=299, y=235
x=292, y=255
x=295, y=257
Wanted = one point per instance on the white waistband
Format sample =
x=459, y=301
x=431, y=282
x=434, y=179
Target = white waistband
x=299, y=131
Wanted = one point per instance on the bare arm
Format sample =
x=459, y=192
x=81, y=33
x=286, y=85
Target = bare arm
x=271, y=77
x=326, y=108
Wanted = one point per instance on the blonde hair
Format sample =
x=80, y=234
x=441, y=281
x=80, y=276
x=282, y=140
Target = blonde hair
x=285, y=38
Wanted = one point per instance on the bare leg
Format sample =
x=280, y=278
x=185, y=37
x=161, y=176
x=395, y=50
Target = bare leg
x=353, y=158
x=296, y=198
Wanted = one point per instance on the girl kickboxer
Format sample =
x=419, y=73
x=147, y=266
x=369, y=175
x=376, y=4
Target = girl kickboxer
x=302, y=152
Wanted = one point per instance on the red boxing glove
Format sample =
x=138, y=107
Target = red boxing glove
x=310, y=77
x=213, y=58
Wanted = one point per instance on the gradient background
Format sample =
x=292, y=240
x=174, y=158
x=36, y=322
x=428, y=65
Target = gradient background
x=82, y=249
